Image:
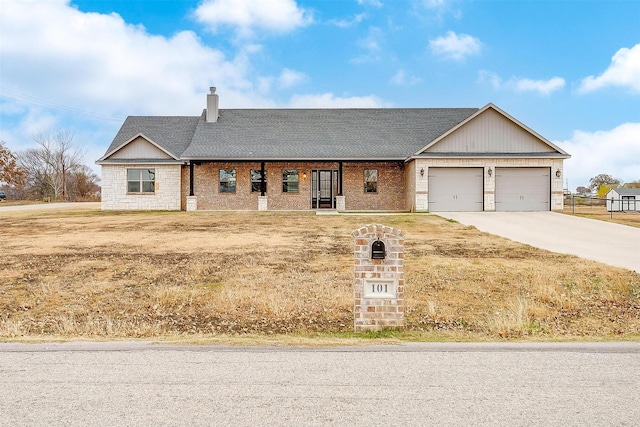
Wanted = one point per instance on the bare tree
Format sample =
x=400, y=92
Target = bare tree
x=83, y=184
x=597, y=181
x=50, y=164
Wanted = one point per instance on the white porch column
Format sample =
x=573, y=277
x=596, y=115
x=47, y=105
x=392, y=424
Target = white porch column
x=262, y=203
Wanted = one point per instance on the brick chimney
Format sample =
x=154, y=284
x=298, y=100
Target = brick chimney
x=212, y=106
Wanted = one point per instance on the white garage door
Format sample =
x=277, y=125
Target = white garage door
x=456, y=190
x=523, y=189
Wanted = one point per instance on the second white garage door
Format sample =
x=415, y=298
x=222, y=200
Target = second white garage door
x=456, y=190
x=523, y=189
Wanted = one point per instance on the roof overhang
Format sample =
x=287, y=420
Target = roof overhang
x=543, y=155
x=295, y=159
x=140, y=162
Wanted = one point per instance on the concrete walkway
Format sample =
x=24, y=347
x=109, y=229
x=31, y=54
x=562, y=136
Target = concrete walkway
x=609, y=243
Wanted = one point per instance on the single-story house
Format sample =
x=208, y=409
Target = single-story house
x=623, y=200
x=388, y=159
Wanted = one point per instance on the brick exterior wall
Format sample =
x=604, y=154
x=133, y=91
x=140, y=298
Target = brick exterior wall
x=371, y=311
x=401, y=187
x=390, y=195
x=165, y=197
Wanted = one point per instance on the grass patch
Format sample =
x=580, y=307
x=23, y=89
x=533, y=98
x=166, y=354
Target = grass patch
x=599, y=212
x=286, y=278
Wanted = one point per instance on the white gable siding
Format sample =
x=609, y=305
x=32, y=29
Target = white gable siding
x=490, y=132
x=114, y=189
x=140, y=148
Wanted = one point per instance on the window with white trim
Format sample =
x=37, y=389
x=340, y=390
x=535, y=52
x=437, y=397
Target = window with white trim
x=141, y=181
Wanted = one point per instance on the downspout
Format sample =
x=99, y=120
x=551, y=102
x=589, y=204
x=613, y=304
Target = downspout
x=340, y=179
x=263, y=186
x=191, y=179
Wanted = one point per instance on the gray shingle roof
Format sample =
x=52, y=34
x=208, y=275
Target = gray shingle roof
x=296, y=134
x=173, y=133
x=321, y=133
x=628, y=191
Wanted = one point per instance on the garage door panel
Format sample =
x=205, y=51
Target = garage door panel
x=456, y=189
x=523, y=189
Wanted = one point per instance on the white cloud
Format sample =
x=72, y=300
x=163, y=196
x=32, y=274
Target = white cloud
x=489, y=78
x=615, y=152
x=371, y=45
x=278, y=16
x=344, y=23
x=454, y=46
x=374, y=3
x=64, y=68
x=329, y=100
x=623, y=71
x=102, y=64
x=402, y=78
x=542, y=87
x=289, y=78
x=434, y=3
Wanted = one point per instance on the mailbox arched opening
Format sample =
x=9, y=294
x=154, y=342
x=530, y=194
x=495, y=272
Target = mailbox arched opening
x=378, y=250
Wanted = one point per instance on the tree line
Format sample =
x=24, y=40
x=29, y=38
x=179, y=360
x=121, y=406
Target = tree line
x=52, y=170
x=602, y=183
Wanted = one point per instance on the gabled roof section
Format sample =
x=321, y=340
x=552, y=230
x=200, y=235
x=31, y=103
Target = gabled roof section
x=490, y=131
x=139, y=147
x=171, y=135
x=320, y=134
x=626, y=191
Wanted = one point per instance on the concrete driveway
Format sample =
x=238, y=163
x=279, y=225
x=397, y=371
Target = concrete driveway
x=613, y=244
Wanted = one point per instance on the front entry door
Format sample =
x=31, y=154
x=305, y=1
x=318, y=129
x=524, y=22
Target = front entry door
x=324, y=188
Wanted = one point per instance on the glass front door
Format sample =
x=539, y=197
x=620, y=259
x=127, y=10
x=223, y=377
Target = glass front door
x=324, y=188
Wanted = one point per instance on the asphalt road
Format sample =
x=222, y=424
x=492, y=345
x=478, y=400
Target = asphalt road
x=609, y=243
x=412, y=384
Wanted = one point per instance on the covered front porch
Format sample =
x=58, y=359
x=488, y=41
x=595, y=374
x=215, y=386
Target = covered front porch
x=287, y=185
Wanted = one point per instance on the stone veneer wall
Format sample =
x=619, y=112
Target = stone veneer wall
x=390, y=194
x=371, y=313
x=421, y=200
x=165, y=197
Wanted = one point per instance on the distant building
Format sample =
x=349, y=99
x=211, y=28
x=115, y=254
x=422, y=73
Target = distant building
x=623, y=200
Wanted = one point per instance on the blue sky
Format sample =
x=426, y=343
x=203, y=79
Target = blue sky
x=568, y=69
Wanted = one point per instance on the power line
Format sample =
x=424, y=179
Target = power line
x=26, y=99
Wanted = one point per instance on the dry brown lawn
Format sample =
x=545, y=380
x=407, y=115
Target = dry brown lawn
x=110, y=275
x=594, y=210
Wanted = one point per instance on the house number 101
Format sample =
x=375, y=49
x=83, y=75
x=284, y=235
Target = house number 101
x=380, y=288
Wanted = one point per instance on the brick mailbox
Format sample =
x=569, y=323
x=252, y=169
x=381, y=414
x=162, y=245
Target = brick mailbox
x=379, y=278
